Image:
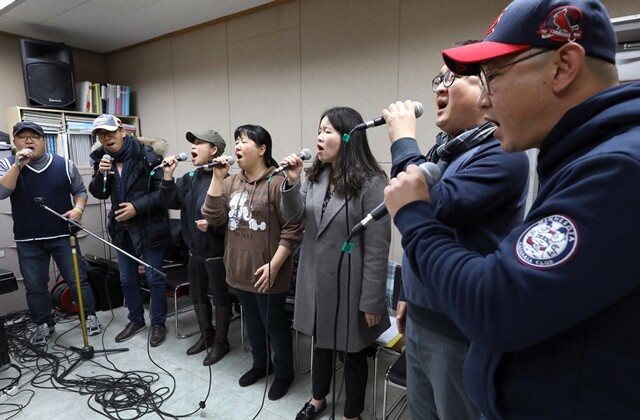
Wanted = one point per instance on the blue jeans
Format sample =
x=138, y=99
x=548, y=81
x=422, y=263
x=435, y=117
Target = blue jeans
x=34, y=258
x=435, y=389
x=130, y=283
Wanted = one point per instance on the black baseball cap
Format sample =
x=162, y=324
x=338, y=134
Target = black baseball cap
x=27, y=125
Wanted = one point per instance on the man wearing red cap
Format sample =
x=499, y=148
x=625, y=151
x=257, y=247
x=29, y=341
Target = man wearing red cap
x=554, y=313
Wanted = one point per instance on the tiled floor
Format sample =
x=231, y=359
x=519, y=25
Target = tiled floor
x=226, y=400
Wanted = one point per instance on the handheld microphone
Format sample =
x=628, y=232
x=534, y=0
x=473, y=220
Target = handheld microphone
x=106, y=158
x=417, y=107
x=22, y=157
x=305, y=154
x=231, y=160
x=432, y=174
x=180, y=158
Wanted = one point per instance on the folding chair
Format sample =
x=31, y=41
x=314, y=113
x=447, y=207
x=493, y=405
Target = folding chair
x=394, y=283
x=396, y=376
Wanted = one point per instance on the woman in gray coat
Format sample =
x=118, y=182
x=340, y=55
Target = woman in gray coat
x=322, y=203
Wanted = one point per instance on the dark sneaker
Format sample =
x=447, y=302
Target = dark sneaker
x=279, y=387
x=93, y=325
x=158, y=335
x=309, y=412
x=253, y=375
x=129, y=331
x=41, y=336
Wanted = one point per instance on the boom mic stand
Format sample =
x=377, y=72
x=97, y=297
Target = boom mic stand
x=87, y=352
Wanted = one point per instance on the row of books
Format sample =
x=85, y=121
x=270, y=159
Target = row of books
x=103, y=98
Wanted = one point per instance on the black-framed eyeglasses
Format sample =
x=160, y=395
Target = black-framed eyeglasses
x=446, y=79
x=103, y=135
x=25, y=137
x=487, y=76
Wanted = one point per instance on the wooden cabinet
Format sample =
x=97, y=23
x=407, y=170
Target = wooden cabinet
x=68, y=133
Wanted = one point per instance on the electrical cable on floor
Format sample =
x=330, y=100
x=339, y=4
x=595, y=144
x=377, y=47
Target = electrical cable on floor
x=128, y=395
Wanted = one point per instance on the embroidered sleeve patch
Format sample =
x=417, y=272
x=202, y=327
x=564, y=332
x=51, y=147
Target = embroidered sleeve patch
x=548, y=243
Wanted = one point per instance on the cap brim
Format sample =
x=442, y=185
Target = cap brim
x=465, y=60
x=191, y=138
x=104, y=127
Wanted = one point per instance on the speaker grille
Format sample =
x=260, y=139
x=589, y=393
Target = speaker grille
x=50, y=84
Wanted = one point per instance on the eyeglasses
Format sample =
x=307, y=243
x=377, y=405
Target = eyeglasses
x=106, y=134
x=25, y=137
x=487, y=76
x=446, y=79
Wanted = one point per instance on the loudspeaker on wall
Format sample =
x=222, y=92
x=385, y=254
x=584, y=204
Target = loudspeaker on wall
x=48, y=73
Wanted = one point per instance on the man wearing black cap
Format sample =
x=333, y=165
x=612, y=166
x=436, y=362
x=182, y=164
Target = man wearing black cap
x=39, y=235
x=554, y=314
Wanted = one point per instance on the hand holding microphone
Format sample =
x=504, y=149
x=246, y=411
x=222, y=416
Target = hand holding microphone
x=407, y=187
x=427, y=171
x=407, y=108
x=401, y=117
x=220, y=162
x=293, y=165
x=171, y=160
x=105, y=167
x=22, y=155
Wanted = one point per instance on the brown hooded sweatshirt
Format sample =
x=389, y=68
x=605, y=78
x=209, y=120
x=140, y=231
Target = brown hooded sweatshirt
x=255, y=228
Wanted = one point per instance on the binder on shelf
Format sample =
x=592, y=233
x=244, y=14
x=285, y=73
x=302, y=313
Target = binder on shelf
x=83, y=93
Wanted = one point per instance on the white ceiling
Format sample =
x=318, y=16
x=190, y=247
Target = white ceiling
x=107, y=25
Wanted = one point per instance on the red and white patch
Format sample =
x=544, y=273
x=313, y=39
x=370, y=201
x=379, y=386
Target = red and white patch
x=562, y=24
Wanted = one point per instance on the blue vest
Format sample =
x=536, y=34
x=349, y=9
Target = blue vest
x=53, y=183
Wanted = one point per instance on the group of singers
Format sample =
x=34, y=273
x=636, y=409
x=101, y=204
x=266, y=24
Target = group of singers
x=525, y=304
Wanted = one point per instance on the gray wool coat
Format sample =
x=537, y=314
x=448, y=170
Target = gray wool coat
x=316, y=291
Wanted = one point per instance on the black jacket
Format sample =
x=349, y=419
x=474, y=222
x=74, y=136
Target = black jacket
x=150, y=227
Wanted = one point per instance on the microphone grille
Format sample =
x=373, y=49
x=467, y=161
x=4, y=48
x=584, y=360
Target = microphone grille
x=419, y=108
x=182, y=157
x=106, y=157
x=231, y=160
x=431, y=172
x=305, y=154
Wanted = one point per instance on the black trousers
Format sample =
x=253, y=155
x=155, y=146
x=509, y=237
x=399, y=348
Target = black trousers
x=208, y=275
x=356, y=372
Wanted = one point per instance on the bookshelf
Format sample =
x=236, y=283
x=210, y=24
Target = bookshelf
x=67, y=133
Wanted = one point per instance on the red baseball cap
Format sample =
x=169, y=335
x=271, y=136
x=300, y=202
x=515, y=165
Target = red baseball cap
x=526, y=24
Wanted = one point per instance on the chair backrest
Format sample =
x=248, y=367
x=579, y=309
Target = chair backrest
x=176, y=251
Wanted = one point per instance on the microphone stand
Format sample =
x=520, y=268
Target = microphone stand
x=86, y=352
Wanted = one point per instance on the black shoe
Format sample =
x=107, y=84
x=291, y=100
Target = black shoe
x=216, y=354
x=129, y=331
x=158, y=335
x=252, y=376
x=279, y=387
x=309, y=412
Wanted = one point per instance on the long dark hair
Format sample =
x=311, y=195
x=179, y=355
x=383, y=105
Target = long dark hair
x=360, y=163
x=260, y=137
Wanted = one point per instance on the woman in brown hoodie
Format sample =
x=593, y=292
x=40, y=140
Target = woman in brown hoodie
x=258, y=251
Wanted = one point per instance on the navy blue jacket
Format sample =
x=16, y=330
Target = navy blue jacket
x=481, y=196
x=554, y=313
